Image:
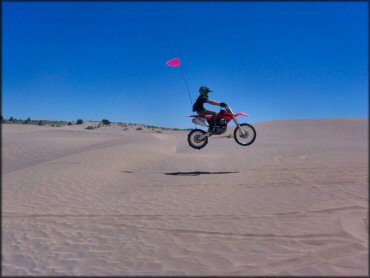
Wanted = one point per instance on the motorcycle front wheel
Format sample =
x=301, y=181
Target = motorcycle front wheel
x=248, y=137
x=194, y=141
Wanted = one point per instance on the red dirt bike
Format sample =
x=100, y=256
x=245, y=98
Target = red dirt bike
x=244, y=134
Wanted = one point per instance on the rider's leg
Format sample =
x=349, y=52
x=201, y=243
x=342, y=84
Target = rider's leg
x=212, y=122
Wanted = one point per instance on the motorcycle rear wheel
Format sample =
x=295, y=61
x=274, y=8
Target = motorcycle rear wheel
x=193, y=139
x=248, y=138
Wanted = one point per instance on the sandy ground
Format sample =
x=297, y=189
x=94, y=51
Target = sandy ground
x=137, y=202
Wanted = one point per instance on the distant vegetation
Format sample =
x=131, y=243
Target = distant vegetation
x=124, y=126
x=105, y=122
x=28, y=121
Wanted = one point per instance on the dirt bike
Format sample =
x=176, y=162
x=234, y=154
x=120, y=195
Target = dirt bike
x=244, y=134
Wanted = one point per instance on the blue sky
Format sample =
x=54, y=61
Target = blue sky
x=95, y=60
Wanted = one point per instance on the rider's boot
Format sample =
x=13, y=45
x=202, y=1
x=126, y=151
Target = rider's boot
x=210, y=131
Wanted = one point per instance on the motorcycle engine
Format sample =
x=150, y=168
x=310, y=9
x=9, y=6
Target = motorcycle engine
x=221, y=126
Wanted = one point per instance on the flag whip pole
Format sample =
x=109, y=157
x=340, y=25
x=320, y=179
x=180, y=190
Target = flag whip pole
x=187, y=87
x=176, y=63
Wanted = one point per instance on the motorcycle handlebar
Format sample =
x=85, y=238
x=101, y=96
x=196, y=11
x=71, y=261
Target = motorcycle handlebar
x=227, y=108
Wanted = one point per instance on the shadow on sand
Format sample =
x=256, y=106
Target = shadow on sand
x=197, y=173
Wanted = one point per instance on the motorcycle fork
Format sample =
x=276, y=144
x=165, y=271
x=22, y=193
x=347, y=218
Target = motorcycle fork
x=237, y=122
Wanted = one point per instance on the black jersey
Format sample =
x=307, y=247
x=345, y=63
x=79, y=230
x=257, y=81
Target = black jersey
x=198, y=105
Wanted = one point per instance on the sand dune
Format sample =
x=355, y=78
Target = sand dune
x=112, y=201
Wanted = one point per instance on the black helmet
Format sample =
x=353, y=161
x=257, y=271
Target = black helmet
x=204, y=90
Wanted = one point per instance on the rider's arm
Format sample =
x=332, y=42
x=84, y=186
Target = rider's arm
x=213, y=102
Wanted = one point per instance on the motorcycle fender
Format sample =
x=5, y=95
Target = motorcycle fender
x=241, y=114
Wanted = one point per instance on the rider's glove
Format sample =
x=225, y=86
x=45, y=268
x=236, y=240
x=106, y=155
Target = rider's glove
x=223, y=104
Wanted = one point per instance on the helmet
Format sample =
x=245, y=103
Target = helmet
x=204, y=90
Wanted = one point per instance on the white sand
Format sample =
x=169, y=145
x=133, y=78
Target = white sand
x=135, y=202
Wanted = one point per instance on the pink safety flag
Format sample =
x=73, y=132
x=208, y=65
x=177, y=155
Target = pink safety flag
x=174, y=62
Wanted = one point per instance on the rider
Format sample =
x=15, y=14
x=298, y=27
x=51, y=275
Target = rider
x=198, y=106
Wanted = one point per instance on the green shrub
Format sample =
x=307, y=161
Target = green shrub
x=79, y=122
x=90, y=127
x=105, y=122
x=40, y=123
x=139, y=128
x=69, y=123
